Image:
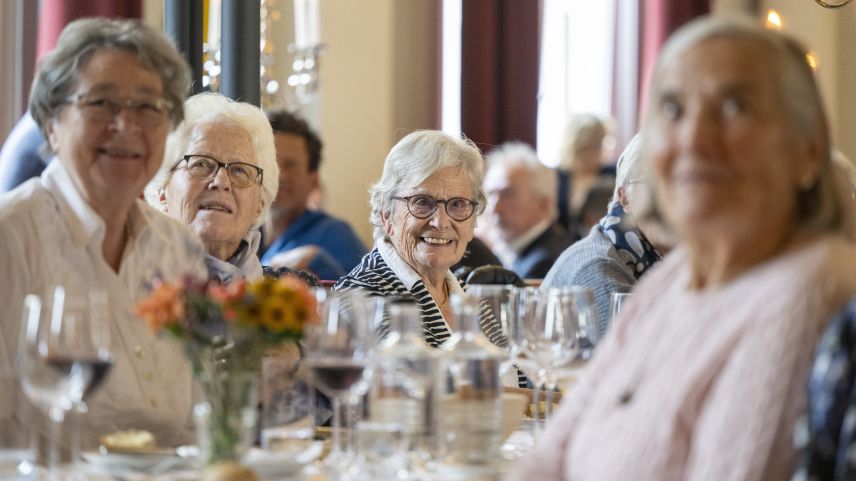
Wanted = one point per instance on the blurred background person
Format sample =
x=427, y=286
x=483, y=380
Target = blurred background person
x=303, y=238
x=704, y=374
x=616, y=252
x=219, y=178
x=20, y=157
x=585, y=186
x=521, y=211
x=105, y=99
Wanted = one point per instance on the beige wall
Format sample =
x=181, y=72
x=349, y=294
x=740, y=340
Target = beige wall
x=379, y=80
x=845, y=99
x=829, y=33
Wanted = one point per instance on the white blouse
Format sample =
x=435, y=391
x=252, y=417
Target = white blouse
x=50, y=236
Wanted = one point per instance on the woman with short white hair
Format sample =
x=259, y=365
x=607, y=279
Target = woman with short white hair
x=219, y=177
x=424, y=209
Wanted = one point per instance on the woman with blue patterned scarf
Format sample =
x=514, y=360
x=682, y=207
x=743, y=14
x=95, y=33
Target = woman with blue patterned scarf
x=616, y=252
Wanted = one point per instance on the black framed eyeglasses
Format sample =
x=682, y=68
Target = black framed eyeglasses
x=148, y=111
x=424, y=206
x=241, y=174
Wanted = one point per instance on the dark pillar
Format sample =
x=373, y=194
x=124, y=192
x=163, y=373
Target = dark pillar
x=239, y=50
x=182, y=22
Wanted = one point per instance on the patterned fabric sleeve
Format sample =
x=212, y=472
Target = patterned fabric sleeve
x=826, y=436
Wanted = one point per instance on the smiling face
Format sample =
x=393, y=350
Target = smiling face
x=113, y=159
x=727, y=160
x=431, y=246
x=220, y=213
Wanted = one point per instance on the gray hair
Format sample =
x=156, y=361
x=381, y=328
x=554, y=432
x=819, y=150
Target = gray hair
x=79, y=40
x=582, y=131
x=415, y=158
x=628, y=169
x=520, y=154
x=823, y=206
x=214, y=108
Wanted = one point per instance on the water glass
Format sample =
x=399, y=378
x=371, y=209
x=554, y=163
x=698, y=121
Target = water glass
x=616, y=303
x=288, y=402
x=381, y=448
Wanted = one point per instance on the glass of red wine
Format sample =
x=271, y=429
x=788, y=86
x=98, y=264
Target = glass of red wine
x=338, y=352
x=63, y=356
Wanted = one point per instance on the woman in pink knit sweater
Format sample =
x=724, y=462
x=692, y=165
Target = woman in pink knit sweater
x=704, y=376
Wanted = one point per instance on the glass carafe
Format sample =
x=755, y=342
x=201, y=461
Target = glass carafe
x=401, y=400
x=470, y=393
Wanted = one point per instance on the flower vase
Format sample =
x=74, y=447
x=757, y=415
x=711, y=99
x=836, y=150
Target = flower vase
x=226, y=421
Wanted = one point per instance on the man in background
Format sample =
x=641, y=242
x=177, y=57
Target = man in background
x=521, y=210
x=303, y=238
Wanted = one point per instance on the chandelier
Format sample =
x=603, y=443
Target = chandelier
x=302, y=82
x=832, y=3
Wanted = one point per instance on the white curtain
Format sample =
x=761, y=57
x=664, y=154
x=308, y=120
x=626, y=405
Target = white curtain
x=588, y=65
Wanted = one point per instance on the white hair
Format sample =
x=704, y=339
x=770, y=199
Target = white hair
x=628, y=169
x=415, y=158
x=518, y=154
x=824, y=206
x=215, y=108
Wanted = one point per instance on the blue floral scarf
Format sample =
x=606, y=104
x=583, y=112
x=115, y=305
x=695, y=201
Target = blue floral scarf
x=632, y=246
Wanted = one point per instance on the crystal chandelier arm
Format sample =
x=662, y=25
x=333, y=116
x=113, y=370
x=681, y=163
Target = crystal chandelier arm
x=832, y=4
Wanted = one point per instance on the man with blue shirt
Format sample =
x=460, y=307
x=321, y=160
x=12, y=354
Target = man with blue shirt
x=304, y=238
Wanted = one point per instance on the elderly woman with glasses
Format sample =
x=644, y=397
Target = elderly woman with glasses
x=219, y=178
x=105, y=99
x=423, y=211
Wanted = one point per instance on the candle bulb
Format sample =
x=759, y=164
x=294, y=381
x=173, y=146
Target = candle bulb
x=312, y=23
x=300, y=17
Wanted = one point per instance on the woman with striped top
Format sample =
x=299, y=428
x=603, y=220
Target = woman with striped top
x=423, y=212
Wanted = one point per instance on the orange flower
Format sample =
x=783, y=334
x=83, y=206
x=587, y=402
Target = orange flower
x=228, y=293
x=164, y=306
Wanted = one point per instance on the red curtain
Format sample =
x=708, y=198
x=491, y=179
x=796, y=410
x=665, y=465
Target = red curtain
x=499, y=71
x=659, y=19
x=54, y=15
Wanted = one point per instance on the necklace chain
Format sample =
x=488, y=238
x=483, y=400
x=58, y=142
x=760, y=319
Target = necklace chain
x=446, y=291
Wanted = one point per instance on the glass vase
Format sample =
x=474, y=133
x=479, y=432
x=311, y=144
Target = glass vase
x=226, y=421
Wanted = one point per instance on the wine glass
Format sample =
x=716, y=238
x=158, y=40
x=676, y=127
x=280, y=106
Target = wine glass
x=561, y=332
x=616, y=303
x=338, y=352
x=503, y=303
x=63, y=355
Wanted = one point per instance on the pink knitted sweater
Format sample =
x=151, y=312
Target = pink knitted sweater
x=699, y=384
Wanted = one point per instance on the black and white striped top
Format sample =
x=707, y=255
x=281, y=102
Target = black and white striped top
x=375, y=277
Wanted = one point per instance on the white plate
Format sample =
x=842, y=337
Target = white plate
x=281, y=463
x=130, y=461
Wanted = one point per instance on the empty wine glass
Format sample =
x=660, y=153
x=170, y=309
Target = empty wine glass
x=338, y=352
x=616, y=303
x=63, y=355
x=502, y=301
x=558, y=336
